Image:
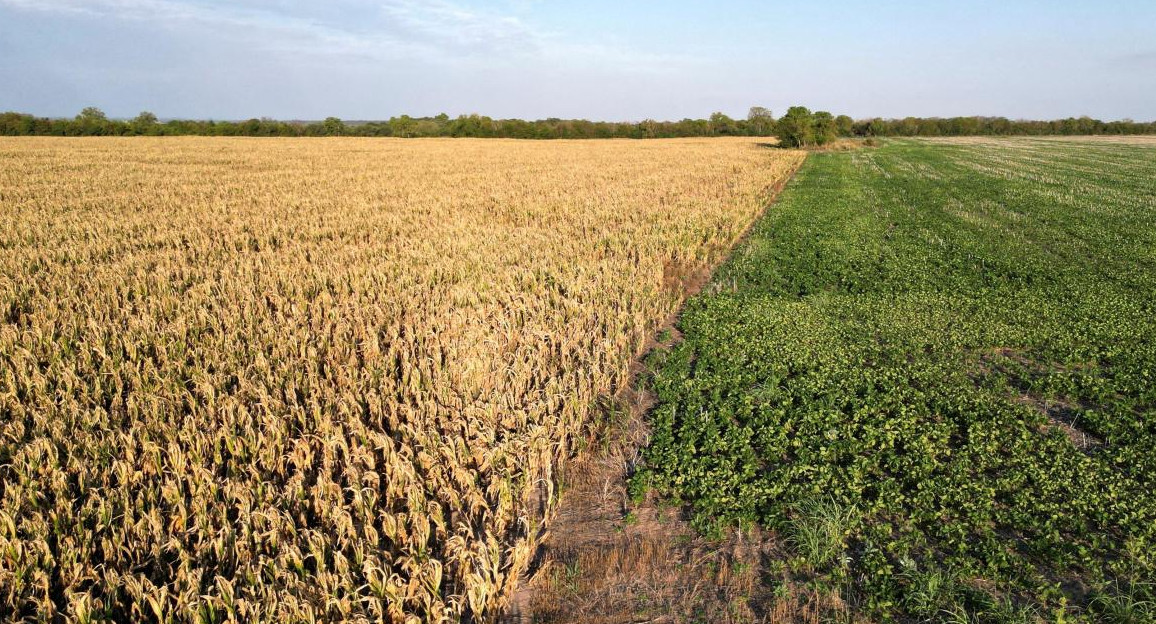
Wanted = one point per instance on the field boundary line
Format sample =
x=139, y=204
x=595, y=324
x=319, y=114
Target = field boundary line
x=587, y=524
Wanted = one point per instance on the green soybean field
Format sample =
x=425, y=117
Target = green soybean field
x=930, y=371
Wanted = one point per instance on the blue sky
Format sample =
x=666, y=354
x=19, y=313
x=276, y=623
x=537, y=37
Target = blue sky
x=624, y=60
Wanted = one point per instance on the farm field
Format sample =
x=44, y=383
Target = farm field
x=931, y=371
x=315, y=380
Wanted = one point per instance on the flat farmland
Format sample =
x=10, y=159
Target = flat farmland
x=930, y=371
x=301, y=380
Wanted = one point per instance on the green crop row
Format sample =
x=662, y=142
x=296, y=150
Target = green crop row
x=930, y=369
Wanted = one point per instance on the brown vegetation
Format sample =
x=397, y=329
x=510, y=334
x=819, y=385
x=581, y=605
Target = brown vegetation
x=253, y=380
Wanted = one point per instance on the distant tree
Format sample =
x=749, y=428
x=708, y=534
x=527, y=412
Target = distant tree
x=401, y=126
x=760, y=121
x=16, y=124
x=467, y=126
x=513, y=128
x=720, y=124
x=144, y=123
x=92, y=114
x=426, y=127
x=908, y=126
x=796, y=128
x=825, y=130
x=844, y=125
x=1087, y=125
x=91, y=121
x=1000, y=126
x=694, y=127
x=333, y=126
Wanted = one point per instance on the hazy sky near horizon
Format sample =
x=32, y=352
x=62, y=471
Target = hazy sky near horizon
x=624, y=60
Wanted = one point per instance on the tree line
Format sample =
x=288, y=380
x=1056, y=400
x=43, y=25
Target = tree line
x=93, y=122
x=798, y=127
x=997, y=126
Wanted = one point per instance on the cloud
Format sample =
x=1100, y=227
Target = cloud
x=389, y=30
x=353, y=58
x=453, y=28
x=429, y=31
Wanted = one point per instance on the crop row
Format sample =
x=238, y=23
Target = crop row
x=931, y=369
x=258, y=380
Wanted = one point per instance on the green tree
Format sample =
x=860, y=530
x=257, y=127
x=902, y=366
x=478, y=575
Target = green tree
x=333, y=126
x=468, y=126
x=250, y=127
x=760, y=121
x=796, y=128
x=144, y=123
x=92, y=114
x=844, y=125
x=720, y=124
x=426, y=127
x=91, y=121
x=16, y=124
x=402, y=126
x=649, y=128
x=825, y=129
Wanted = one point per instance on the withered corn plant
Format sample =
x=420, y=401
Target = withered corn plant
x=317, y=380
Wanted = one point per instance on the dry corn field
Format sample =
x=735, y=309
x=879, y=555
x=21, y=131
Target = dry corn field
x=313, y=380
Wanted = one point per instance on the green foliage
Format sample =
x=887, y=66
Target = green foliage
x=844, y=126
x=797, y=128
x=818, y=530
x=722, y=125
x=333, y=126
x=997, y=126
x=760, y=121
x=144, y=123
x=802, y=128
x=91, y=114
x=93, y=122
x=911, y=333
x=90, y=121
x=825, y=129
x=929, y=592
x=1131, y=605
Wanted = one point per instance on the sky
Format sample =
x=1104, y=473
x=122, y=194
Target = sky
x=623, y=60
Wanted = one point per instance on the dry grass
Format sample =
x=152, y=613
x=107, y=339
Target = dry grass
x=298, y=380
x=609, y=560
x=845, y=145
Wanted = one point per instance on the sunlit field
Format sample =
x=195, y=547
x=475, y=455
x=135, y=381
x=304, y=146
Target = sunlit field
x=931, y=371
x=298, y=380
